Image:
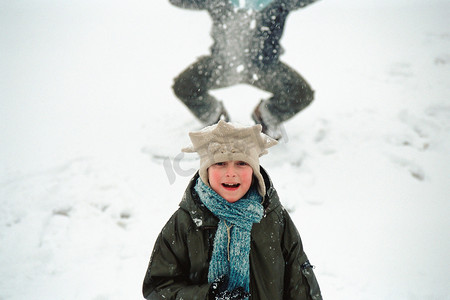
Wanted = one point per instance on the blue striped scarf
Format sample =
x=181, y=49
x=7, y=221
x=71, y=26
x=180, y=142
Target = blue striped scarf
x=231, y=249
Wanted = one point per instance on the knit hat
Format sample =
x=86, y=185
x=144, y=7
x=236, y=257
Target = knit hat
x=227, y=141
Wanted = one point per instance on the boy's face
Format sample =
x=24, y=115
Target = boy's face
x=230, y=179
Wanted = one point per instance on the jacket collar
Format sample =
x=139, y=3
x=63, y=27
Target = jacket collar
x=202, y=217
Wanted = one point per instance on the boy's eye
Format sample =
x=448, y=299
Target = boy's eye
x=220, y=164
x=242, y=163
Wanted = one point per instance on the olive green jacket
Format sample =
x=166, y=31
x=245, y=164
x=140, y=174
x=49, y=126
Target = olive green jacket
x=279, y=269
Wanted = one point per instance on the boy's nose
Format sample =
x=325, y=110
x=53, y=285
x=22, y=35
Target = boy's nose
x=230, y=172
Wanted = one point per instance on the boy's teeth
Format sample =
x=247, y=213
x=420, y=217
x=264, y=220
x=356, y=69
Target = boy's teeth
x=231, y=185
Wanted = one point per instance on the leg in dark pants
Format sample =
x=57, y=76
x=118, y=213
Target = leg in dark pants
x=192, y=87
x=291, y=93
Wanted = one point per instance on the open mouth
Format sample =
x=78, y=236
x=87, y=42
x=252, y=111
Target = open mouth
x=231, y=185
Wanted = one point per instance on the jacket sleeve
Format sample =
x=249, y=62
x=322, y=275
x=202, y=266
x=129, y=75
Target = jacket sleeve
x=191, y=4
x=296, y=4
x=300, y=283
x=167, y=274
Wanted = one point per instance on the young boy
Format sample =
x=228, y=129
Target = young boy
x=231, y=238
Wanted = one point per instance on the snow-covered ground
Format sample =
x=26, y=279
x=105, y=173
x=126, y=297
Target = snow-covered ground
x=90, y=138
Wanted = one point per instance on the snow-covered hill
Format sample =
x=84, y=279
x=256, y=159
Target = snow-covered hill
x=90, y=163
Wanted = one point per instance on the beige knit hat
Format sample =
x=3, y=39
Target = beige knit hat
x=227, y=141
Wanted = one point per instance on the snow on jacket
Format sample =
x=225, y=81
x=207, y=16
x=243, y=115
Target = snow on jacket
x=279, y=268
x=247, y=37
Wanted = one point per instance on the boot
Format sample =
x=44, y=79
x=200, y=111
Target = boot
x=269, y=125
x=219, y=114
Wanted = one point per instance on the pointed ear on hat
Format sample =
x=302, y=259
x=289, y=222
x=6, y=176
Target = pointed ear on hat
x=188, y=149
x=266, y=142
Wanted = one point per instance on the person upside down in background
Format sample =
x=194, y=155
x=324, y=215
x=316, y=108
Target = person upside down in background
x=246, y=49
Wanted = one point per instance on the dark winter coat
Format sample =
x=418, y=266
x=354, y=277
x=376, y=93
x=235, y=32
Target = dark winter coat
x=249, y=38
x=279, y=268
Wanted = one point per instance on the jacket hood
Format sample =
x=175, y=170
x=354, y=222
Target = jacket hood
x=202, y=217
